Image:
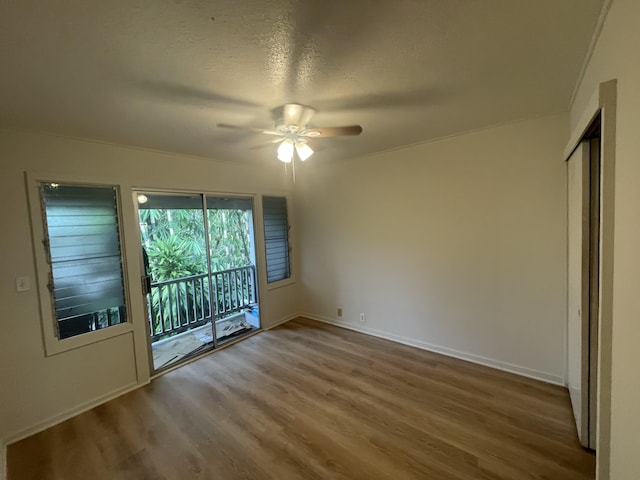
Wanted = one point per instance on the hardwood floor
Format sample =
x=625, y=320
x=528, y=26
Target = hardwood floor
x=311, y=401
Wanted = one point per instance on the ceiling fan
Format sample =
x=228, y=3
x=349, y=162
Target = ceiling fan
x=294, y=134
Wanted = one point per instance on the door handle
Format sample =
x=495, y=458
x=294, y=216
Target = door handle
x=146, y=284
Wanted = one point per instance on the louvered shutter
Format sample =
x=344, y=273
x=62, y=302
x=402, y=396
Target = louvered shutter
x=276, y=237
x=84, y=249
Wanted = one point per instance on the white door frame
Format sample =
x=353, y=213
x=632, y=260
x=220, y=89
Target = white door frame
x=603, y=102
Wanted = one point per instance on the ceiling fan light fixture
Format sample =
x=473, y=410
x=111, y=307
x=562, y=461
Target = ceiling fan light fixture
x=285, y=151
x=303, y=149
x=292, y=132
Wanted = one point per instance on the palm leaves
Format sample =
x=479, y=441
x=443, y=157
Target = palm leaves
x=176, y=257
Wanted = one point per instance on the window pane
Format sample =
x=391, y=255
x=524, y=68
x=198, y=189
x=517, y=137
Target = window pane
x=276, y=238
x=84, y=249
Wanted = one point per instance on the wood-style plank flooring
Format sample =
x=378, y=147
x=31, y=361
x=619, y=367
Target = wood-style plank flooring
x=311, y=401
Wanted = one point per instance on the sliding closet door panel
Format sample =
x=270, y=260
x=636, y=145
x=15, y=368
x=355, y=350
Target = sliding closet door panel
x=594, y=287
x=578, y=287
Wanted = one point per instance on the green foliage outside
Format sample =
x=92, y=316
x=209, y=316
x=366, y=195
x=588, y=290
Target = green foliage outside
x=175, y=242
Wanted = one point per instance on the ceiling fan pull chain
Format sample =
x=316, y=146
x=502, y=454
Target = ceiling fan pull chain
x=293, y=169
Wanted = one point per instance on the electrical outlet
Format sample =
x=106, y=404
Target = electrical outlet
x=23, y=284
x=339, y=312
x=363, y=318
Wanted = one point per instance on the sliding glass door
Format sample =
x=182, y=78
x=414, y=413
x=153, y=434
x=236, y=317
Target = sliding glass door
x=199, y=259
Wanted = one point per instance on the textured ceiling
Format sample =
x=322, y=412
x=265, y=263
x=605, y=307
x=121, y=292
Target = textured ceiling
x=161, y=74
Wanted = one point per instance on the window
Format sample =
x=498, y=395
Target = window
x=276, y=238
x=82, y=248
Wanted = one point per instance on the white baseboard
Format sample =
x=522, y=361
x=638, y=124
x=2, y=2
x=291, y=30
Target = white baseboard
x=66, y=415
x=470, y=357
x=286, y=319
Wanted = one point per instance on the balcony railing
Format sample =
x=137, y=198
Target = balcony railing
x=181, y=304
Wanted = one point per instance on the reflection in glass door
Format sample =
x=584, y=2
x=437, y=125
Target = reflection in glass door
x=201, y=288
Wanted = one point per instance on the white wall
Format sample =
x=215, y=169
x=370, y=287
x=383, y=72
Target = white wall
x=34, y=389
x=456, y=245
x=616, y=56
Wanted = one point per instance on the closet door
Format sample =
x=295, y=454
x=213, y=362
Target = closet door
x=578, y=260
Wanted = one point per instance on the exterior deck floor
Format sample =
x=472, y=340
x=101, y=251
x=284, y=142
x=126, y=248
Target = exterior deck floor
x=171, y=350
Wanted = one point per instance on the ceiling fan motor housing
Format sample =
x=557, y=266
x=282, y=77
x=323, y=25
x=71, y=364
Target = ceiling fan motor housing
x=295, y=117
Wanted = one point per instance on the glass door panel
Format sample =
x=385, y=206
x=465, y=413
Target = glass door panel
x=174, y=247
x=233, y=271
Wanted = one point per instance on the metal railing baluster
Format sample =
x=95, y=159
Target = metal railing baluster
x=234, y=290
x=216, y=311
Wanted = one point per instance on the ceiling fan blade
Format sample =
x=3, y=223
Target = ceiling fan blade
x=316, y=146
x=334, y=131
x=248, y=129
x=268, y=144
